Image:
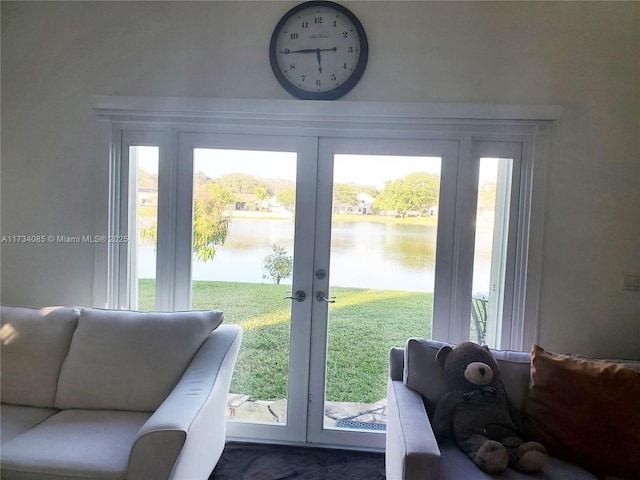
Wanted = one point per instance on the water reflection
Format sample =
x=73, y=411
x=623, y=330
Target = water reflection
x=366, y=255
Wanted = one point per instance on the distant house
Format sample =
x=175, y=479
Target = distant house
x=362, y=207
x=247, y=202
x=148, y=196
x=364, y=203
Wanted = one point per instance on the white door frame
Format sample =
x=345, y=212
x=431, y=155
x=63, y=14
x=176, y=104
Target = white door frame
x=305, y=148
x=447, y=150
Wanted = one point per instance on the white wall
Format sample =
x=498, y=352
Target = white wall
x=583, y=56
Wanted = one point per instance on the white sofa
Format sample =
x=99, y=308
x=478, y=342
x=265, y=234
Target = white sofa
x=111, y=394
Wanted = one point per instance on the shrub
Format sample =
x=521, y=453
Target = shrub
x=277, y=265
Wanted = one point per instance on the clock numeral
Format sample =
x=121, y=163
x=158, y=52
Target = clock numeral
x=344, y=65
x=317, y=20
x=333, y=77
x=318, y=83
x=292, y=66
x=294, y=36
x=303, y=77
x=350, y=49
x=345, y=34
x=286, y=50
x=305, y=25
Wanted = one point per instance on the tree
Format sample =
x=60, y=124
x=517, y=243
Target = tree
x=277, y=265
x=210, y=222
x=287, y=198
x=243, y=183
x=147, y=179
x=261, y=195
x=344, y=194
x=394, y=198
x=487, y=193
x=426, y=187
x=413, y=192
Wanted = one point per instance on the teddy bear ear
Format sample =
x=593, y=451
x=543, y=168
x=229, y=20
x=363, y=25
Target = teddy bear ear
x=486, y=347
x=442, y=354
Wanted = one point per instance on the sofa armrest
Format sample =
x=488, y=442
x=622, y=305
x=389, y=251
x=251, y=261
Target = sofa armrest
x=185, y=436
x=396, y=363
x=412, y=452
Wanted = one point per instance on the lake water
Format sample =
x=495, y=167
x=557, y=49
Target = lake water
x=365, y=255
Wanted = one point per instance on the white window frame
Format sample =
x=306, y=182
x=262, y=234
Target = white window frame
x=529, y=127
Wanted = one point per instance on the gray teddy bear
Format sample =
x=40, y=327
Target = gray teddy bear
x=476, y=412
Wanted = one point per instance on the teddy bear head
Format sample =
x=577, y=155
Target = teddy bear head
x=467, y=366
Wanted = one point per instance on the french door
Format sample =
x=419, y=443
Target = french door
x=327, y=250
x=263, y=188
x=378, y=244
x=277, y=267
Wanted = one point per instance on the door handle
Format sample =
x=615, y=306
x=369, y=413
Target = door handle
x=321, y=298
x=300, y=296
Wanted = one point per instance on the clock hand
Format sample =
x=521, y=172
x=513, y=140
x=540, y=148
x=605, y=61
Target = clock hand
x=308, y=50
x=319, y=60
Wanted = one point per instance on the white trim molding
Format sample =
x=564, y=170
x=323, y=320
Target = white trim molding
x=368, y=112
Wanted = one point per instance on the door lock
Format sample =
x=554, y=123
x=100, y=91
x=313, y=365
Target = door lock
x=321, y=298
x=300, y=296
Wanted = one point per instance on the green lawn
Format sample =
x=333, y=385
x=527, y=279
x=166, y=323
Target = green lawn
x=363, y=325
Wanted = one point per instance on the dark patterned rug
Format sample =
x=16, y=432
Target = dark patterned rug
x=250, y=461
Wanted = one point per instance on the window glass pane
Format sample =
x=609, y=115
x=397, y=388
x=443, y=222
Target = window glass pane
x=383, y=250
x=243, y=233
x=492, y=222
x=143, y=161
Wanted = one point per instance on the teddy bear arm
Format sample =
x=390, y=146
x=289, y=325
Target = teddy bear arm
x=443, y=415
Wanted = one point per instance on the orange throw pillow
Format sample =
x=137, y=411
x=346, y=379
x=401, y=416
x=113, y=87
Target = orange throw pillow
x=586, y=412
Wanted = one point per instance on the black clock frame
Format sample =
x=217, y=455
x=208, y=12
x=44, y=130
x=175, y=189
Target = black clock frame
x=334, y=93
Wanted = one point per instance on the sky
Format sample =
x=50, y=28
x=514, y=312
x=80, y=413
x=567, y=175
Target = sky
x=375, y=170
x=147, y=157
x=361, y=169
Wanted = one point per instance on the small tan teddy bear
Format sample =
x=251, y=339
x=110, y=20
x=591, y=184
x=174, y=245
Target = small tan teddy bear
x=476, y=412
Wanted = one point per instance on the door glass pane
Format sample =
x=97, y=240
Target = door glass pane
x=243, y=238
x=492, y=221
x=143, y=166
x=383, y=250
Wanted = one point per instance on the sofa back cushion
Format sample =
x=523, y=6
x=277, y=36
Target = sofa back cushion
x=34, y=345
x=422, y=374
x=124, y=360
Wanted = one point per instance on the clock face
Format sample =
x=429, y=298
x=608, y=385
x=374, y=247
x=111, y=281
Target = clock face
x=318, y=51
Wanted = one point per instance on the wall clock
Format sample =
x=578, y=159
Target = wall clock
x=318, y=50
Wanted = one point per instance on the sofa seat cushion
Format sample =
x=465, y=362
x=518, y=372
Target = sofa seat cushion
x=124, y=360
x=91, y=444
x=17, y=419
x=455, y=465
x=35, y=342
